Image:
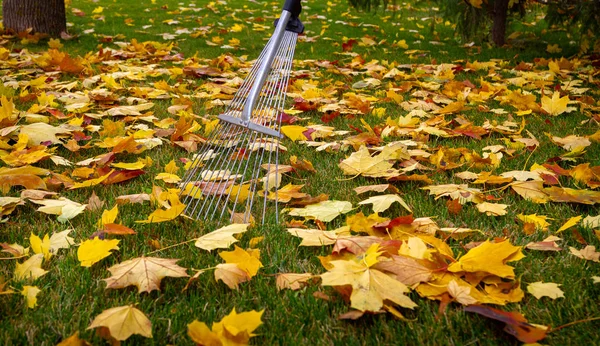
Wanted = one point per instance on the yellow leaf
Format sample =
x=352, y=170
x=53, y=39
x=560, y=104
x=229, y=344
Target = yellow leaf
x=123, y=321
x=92, y=251
x=476, y=3
x=54, y=43
x=489, y=258
x=31, y=269
x=233, y=329
x=570, y=223
x=552, y=48
x=42, y=132
x=539, y=221
x=236, y=27
x=555, y=105
x=415, y=247
x=231, y=274
x=144, y=272
x=548, y=289
x=91, y=182
x=108, y=216
x=292, y=281
x=40, y=246
x=492, y=209
x=361, y=163
x=370, y=287
x=461, y=294
x=171, y=167
x=163, y=215
x=294, y=132
x=317, y=237
x=30, y=293
x=324, y=211
x=222, y=237
x=383, y=202
x=249, y=261
x=130, y=166
x=286, y=193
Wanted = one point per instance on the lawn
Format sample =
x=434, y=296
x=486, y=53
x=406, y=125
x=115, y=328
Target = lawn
x=492, y=154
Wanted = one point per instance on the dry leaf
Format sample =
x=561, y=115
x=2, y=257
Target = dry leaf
x=233, y=329
x=292, y=281
x=222, y=237
x=123, y=321
x=144, y=272
x=383, y=202
x=92, y=251
x=545, y=289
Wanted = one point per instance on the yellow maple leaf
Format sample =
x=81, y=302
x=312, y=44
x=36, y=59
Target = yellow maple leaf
x=489, y=258
x=492, y=209
x=222, y=237
x=31, y=269
x=249, y=261
x=123, y=321
x=40, y=246
x=144, y=272
x=317, y=237
x=233, y=329
x=231, y=274
x=162, y=215
x=361, y=163
x=292, y=281
x=286, y=193
x=108, y=216
x=383, y=202
x=539, y=221
x=553, y=48
x=294, y=132
x=370, y=287
x=30, y=293
x=324, y=211
x=91, y=182
x=545, y=289
x=92, y=251
x=461, y=294
x=555, y=105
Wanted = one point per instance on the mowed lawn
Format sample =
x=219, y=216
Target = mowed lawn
x=489, y=144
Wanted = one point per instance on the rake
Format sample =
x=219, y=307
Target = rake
x=225, y=177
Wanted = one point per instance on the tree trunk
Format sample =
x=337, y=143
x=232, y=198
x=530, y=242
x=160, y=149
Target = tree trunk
x=43, y=16
x=500, y=15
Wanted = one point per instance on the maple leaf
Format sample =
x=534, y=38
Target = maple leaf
x=144, y=272
x=409, y=271
x=92, y=251
x=539, y=221
x=489, y=258
x=569, y=223
x=383, y=202
x=123, y=321
x=292, y=281
x=317, y=237
x=38, y=133
x=492, y=209
x=233, y=329
x=461, y=294
x=286, y=193
x=548, y=289
x=30, y=293
x=324, y=211
x=222, y=237
x=361, y=163
x=31, y=269
x=162, y=215
x=555, y=105
x=294, y=132
x=516, y=324
x=370, y=287
x=588, y=253
x=531, y=190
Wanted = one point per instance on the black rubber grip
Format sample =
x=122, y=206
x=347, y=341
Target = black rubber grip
x=294, y=7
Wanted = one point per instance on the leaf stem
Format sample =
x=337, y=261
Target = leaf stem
x=574, y=323
x=170, y=246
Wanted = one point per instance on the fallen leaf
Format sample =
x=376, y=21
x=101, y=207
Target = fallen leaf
x=30, y=293
x=31, y=269
x=292, y=281
x=516, y=324
x=123, y=321
x=222, y=237
x=145, y=273
x=382, y=202
x=324, y=211
x=545, y=289
x=233, y=329
x=461, y=293
x=489, y=258
x=588, y=253
x=92, y=251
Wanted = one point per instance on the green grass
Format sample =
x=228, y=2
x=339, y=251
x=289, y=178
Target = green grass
x=72, y=295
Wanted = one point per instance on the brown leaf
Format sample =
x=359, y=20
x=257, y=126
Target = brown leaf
x=516, y=324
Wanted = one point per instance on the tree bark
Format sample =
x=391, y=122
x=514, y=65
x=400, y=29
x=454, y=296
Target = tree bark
x=43, y=16
x=500, y=16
